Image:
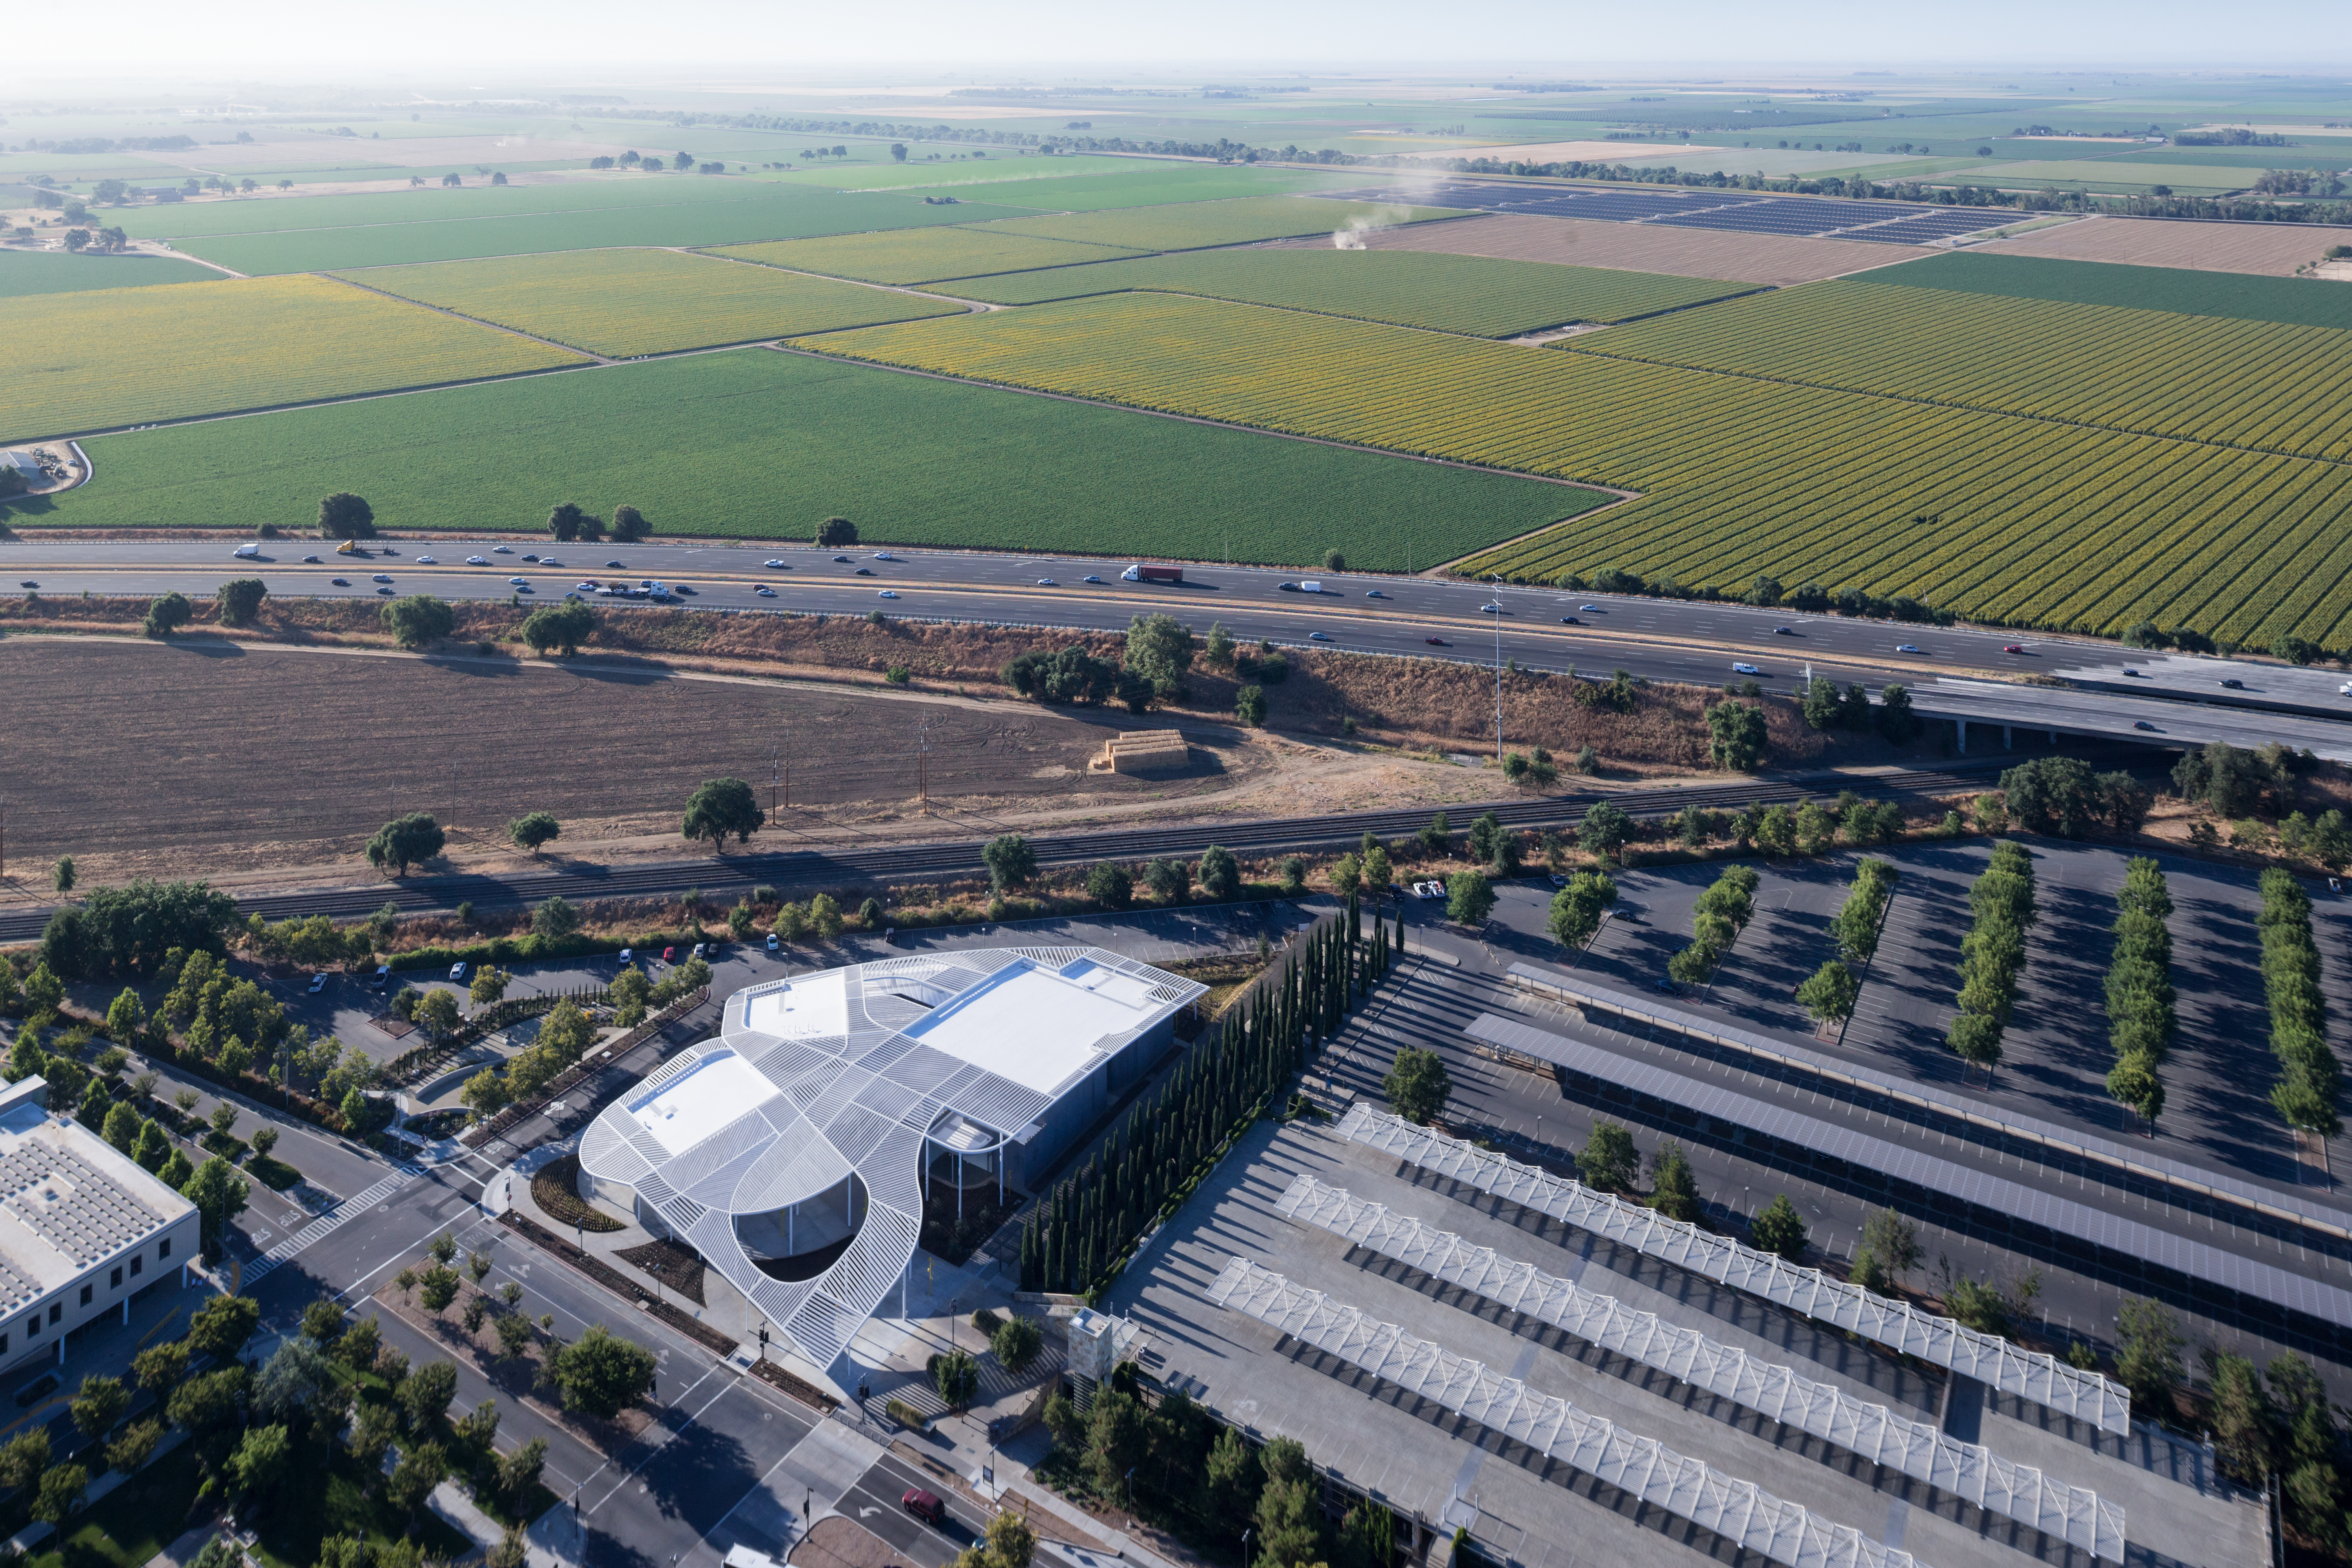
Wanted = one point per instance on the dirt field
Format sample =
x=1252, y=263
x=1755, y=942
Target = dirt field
x=224, y=758
x=2272, y=249
x=1644, y=247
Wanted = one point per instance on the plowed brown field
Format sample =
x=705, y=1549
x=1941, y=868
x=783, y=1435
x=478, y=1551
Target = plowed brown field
x=1644, y=247
x=2274, y=249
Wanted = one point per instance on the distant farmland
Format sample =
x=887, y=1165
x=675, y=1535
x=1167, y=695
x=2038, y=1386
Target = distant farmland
x=624, y=302
x=757, y=444
x=119, y=356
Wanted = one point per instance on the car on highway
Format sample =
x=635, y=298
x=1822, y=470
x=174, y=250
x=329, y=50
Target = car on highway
x=2231, y=683
x=383, y=577
x=1910, y=647
x=1374, y=593
x=386, y=588
x=1589, y=609
x=1318, y=636
x=457, y=972
x=550, y=560
x=245, y=552
x=925, y=1506
x=863, y=571
x=775, y=565
x=312, y=561
x=1739, y=667
x=885, y=593
x=1437, y=642
x=2013, y=648
x=2131, y=674
x=1090, y=578
x=1570, y=621
x=2345, y=689
x=841, y=560
x=1784, y=631
x=2142, y=725
x=339, y=582
x=477, y=561
x=317, y=983
x=500, y=549
x=588, y=584
x=1492, y=609
x=614, y=566
x=27, y=583
x=1287, y=587
x=516, y=581
x=428, y=560
x=764, y=591
x=1048, y=582
x=531, y=558
x=883, y=555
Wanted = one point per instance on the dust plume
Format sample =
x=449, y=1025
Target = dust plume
x=1386, y=216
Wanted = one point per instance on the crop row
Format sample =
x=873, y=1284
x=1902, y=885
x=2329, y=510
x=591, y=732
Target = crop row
x=1187, y=226
x=918, y=256
x=2261, y=385
x=2023, y=521
x=121, y=356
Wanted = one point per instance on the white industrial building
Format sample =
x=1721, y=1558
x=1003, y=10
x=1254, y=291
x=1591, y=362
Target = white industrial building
x=794, y=1151
x=82, y=1227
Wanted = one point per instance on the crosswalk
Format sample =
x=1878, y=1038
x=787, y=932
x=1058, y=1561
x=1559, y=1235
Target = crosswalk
x=334, y=1219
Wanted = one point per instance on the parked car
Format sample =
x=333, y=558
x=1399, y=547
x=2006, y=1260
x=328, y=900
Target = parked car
x=774, y=941
x=926, y=1506
x=457, y=972
x=669, y=955
x=629, y=956
x=701, y=948
x=317, y=983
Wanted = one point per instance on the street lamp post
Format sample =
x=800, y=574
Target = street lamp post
x=1498, y=668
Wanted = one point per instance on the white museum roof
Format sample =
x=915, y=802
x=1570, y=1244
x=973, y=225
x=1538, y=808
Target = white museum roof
x=69, y=1199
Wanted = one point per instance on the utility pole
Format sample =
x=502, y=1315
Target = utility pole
x=1498, y=669
x=787, y=766
x=775, y=762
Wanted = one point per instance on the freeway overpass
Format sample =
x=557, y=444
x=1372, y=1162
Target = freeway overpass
x=1989, y=712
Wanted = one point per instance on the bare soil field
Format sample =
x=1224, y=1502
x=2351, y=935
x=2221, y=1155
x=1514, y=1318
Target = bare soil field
x=2272, y=250
x=1644, y=247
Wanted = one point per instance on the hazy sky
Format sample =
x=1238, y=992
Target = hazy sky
x=762, y=41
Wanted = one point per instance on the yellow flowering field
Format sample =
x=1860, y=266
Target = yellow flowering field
x=625, y=302
x=922, y=254
x=131, y=356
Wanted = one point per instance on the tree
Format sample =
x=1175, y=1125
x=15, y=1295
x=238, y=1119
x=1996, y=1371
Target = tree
x=1577, y=908
x=1822, y=708
x=600, y=1373
x=558, y=628
x=489, y=985
x=628, y=524
x=1217, y=647
x=424, y=1397
x=218, y=1329
x=405, y=841
x=417, y=619
x=2147, y=1354
x=102, y=1401
x=60, y=1495
x=1170, y=882
x=420, y=1470
x=1608, y=1160
x=1016, y=1343
x=1249, y=706
x=239, y=599
x=1736, y=736
x=1109, y=884
x=166, y=613
x=1780, y=1229
x=437, y=1011
x=565, y=521
x=122, y=1126
x=260, y=1460
x=956, y=1376
x=1417, y=1085
x=1893, y=1240
x=2125, y=802
x=836, y=533
x=1010, y=861
x=533, y=830
x=486, y=1094
x=2055, y=795
x=1604, y=829
x=1896, y=721
x=1828, y=995
x=1469, y=898
x=346, y=516
x=130, y=1451
x=1219, y=876
x=219, y=1194
x=722, y=806
x=1159, y=650
x=1674, y=1188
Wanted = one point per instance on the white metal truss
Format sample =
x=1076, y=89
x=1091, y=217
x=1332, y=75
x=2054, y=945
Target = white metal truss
x=1916, y=1448
x=2038, y=1379
x=1739, y=1511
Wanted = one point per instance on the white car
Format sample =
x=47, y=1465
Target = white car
x=774, y=565
x=585, y=587
x=427, y=561
x=1588, y=609
x=1907, y=647
x=883, y=555
x=245, y=552
x=1091, y=578
x=318, y=984
x=1048, y=582
x=550, y=560
x=518, y=581
x=885, y=593
x=764, y=591
x=457, y=972
x=1492, y=609
x=500, y=549
x=1745, y=670
x=477, y=561
x=773, y=942
x=2345, y=689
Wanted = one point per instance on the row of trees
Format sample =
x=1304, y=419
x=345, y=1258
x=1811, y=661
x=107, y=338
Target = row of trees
x=1152, y=667
x=344, y=515
x=2139, y=990
x=1826, y=709
x=1830, y=993
x=235, y=602
x=2279, y=1421
x=2310, y=1075
x=1076, y=1235
x=2061, y=797
x=2001, y=903
x=1722, y=913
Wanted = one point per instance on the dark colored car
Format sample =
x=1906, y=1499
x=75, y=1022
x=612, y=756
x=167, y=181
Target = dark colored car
x=1570, y=621
x=1437, y=642
x=2142, y=725
x=2234, y=684
x=926, y=1506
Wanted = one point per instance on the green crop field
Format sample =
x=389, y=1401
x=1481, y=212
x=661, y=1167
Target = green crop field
x=624, y=302
x=757, y=444
x=125, y=356
x=56, y=272
x=993, y=169
x=1187, y=226
x=1145, y=186
x=2297, y=301
x=2029, y=521
x=797, y=213
x=2118, y=174
x=2206, y=378
x=916, y=256
x=275, y=214
x=1472, y=294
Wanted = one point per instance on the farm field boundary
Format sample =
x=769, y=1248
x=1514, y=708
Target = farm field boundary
x=119, y=357
x=1196, y=226
x=24, y=272
x=2247, y=296
x=2272, y=250
x=1473, y=295
x=2017, y=521
x=918, y=256
x=622, y=303
x=758, y=444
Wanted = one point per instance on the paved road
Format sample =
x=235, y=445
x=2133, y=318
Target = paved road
x=1661, y=639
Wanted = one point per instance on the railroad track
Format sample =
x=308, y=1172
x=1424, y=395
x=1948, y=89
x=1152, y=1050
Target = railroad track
x=734, y=874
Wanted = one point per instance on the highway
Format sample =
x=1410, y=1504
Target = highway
x=1693, y=641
